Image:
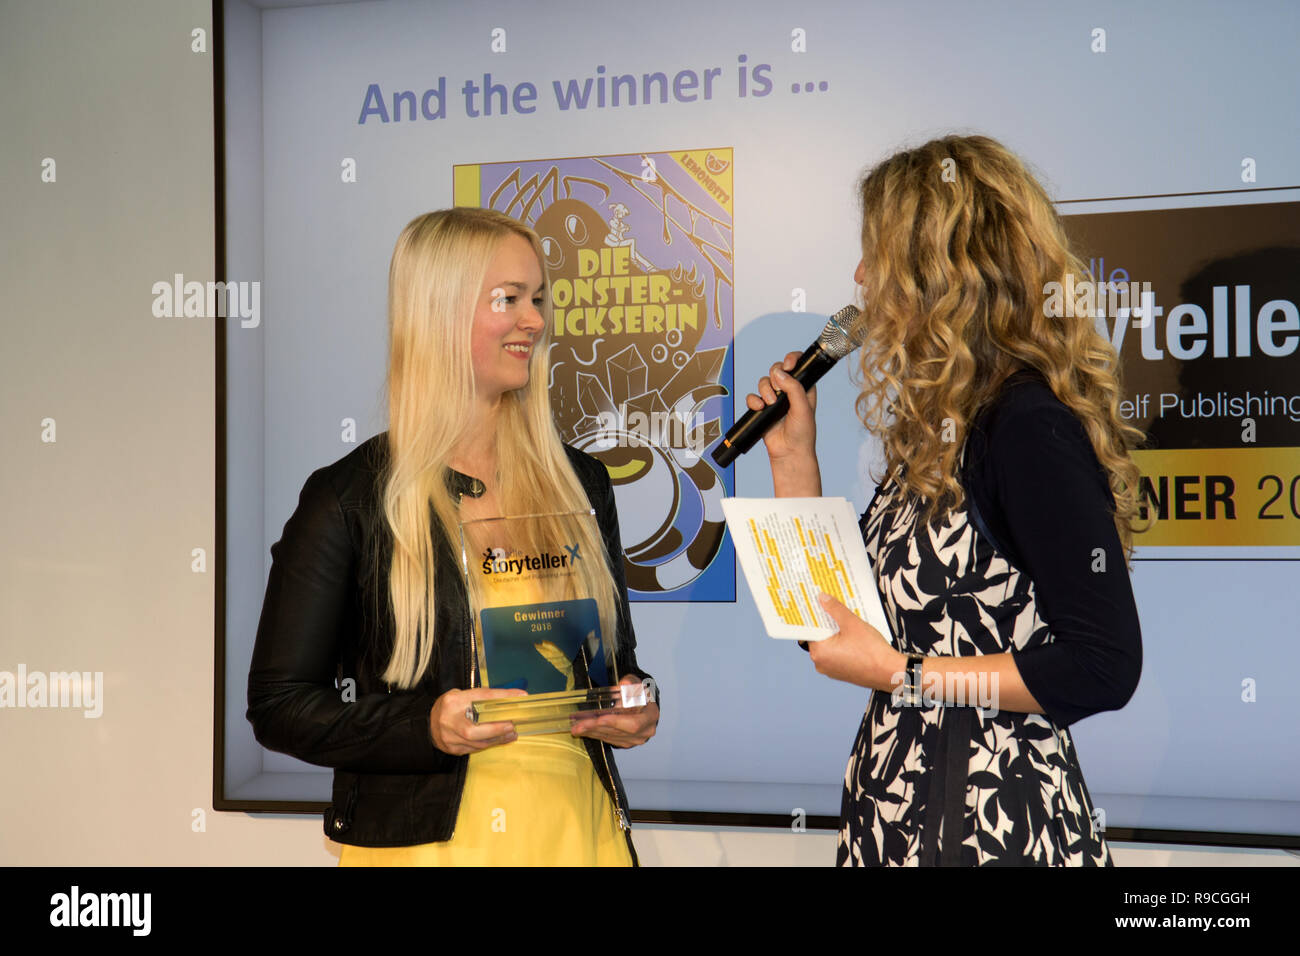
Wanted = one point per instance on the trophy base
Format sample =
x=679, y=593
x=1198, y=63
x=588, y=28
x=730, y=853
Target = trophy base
x=556, y=712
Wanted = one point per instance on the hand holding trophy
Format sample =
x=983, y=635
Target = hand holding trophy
x=538, y=630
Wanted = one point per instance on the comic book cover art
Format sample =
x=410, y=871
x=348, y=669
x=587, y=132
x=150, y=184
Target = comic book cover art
x=639, y=256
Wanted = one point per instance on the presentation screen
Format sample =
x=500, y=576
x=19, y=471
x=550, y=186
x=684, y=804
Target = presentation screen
x=691, y=170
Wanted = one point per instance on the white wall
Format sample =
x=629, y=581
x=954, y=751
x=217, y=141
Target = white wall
x=98, y=526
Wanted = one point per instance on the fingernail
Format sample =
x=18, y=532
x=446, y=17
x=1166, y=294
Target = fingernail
x=824, y=598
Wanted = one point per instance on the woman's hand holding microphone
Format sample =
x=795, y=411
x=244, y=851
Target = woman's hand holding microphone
x=792, y=442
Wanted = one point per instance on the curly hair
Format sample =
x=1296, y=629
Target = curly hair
x=959, y=243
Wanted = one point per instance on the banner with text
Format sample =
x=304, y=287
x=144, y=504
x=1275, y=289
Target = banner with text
x=1201, y=304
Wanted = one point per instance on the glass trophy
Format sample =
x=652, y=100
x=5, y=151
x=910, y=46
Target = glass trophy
x=536, y=627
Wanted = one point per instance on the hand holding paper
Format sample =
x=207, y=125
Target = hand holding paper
x=790, y=550
x=859, y=654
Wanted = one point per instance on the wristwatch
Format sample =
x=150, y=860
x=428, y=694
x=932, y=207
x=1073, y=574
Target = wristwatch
x=911, y=696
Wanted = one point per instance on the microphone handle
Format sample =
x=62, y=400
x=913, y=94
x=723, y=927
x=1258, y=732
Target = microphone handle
x=812, y=365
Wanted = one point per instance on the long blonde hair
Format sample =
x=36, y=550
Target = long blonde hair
x=959, y=242
x=436, y=276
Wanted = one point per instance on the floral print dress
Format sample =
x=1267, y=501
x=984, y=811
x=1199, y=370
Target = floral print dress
x=1010, y=782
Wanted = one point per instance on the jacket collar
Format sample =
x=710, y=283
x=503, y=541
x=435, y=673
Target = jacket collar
x=464, y=485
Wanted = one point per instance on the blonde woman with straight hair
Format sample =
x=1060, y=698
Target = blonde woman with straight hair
x=363, y=660
x=1001, y=533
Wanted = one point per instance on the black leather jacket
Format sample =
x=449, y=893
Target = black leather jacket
x=326, y=620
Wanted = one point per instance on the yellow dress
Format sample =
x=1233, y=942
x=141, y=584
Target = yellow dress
x=534, y=802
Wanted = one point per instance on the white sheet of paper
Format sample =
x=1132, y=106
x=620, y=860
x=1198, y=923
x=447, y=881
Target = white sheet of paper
x=792, y=548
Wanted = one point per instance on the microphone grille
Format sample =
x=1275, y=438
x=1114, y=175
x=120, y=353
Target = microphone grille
x=840, y=337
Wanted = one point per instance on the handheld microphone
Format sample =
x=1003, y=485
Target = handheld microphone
x=833, y=344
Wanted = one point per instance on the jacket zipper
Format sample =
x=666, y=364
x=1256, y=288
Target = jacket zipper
x=623, y=823
x=618, y=810
x=473, y=652
x=471, y=669
x=344, y=820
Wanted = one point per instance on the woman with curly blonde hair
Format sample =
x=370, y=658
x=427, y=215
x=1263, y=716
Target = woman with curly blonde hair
x=1001, y=533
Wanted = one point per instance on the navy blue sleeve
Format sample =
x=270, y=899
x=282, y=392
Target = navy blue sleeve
x=1051, y=505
